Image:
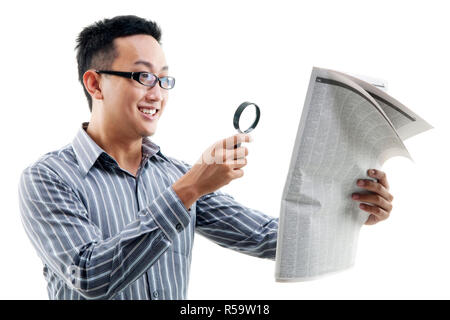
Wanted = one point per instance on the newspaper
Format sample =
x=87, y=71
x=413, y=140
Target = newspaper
x=347, y=127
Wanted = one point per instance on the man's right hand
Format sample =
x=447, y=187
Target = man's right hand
x=218, y=166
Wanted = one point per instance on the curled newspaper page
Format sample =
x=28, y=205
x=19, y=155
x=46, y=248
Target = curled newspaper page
x=347, y=126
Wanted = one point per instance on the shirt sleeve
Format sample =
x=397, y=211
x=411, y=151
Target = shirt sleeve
x=58, y=225
x=228, y=223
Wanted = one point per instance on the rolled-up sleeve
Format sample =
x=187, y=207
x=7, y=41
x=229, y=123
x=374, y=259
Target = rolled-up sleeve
x=228, y=223
x=57, y=223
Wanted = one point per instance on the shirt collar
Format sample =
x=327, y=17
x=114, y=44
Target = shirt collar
x=87, y=151
x=149, y=149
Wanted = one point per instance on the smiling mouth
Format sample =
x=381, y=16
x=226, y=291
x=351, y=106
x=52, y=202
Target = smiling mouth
x=149, y=113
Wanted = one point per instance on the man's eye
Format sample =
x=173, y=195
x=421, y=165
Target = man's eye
x=147, y=77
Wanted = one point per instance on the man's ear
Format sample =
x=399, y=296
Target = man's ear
x=91, y=81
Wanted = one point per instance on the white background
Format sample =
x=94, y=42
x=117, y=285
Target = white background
x=224, y=53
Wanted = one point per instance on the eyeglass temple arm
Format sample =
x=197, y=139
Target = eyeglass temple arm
x=117, y=73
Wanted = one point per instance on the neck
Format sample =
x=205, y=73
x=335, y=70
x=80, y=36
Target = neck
x=125, y=150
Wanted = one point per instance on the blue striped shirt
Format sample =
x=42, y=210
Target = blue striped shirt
x=103, y=233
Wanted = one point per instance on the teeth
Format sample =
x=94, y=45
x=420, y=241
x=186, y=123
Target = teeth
x=148, y=111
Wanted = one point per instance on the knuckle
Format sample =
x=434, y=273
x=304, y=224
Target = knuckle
x=378, y=198
x=378, y=187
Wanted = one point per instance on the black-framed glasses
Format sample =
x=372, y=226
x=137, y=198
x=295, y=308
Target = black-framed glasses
x=147, y=79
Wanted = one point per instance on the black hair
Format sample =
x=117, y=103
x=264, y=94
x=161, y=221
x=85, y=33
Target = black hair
x=95, y=47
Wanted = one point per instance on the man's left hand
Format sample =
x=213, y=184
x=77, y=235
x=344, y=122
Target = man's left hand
x=379, y=198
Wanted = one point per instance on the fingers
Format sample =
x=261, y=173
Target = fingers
x=224, y=150
x=377, y=214
x=225, y=155
x=380, y=176
x=378, y=200
x=373, y=199
x=230, y=142
x=238, y=173
x=375, y=187
x=237, y=164
x=373, y=219
x=238, y=153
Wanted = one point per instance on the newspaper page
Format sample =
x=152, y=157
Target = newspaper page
x=347, y=126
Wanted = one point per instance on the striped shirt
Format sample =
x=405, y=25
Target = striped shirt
x=103, y=233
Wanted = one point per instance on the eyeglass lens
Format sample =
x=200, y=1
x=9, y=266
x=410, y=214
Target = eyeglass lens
x=150, y=79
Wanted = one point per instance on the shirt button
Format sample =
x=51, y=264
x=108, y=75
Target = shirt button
x=179, y=227
x=155, y=294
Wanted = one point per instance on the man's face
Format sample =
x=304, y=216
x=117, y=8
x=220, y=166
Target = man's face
x=124, y=99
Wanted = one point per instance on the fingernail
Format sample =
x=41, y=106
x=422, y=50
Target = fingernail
x=372, y=172
x=355, y=196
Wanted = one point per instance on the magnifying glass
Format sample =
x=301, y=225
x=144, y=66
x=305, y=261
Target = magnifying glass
x=248, y=119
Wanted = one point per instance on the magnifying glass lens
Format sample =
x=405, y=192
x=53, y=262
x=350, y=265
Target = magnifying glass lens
x=247, y=118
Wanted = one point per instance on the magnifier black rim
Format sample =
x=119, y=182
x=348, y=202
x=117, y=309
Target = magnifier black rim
x=237, y=116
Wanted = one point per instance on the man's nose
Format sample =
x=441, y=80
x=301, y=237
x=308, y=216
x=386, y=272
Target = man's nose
x=154, y=93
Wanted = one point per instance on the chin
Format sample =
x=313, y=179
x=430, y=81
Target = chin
x=148, y=133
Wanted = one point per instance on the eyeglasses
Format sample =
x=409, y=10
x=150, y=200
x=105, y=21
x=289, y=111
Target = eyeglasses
x=147, y=79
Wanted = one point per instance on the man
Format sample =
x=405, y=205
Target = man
x=110, y=215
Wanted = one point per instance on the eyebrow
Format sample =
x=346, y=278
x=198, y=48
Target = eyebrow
x=150, y=65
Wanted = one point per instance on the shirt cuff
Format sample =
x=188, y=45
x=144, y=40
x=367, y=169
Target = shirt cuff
x=169, y=213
